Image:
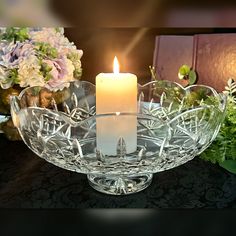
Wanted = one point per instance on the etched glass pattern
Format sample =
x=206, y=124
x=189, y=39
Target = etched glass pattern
x=175, y=124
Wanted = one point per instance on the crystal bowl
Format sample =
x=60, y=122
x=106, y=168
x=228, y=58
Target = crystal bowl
x=174, y=124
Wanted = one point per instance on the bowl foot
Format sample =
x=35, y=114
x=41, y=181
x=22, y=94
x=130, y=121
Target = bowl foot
x=119, y=185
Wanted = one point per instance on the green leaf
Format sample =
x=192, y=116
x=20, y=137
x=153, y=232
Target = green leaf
x=46, y=50
x=77, y=73
x=192, y=77
x=13, y=76
x=45, y=71
x=16, y=34
x=36, y=91
x=229, y=165
x=180, y=76
x=184, y=70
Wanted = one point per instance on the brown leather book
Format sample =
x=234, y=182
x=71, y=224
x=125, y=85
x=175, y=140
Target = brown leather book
x=215, y=59
x=170, y=53
x=212, y=56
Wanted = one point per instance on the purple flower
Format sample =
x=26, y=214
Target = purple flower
x=20, y=51
x=61, y=73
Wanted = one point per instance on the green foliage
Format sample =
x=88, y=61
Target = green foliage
x=153, y=72
x=182, y=99
x=45, y=50
x=13, y=76
x=15, y=34
x=186, y=73
x=36, y=90
x=45, y=70
x=58, y=29
x=230, y=90
x=223, y=148
x=192, y=77
x=229, y=165
x=195, y=98
x=75, y=58
x=77, y=73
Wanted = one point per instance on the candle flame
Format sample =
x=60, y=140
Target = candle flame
x=116, y=66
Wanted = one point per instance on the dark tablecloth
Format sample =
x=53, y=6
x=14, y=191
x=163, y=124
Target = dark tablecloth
x=27, y=181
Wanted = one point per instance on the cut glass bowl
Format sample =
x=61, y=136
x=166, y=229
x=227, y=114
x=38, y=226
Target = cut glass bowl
x=174, y=124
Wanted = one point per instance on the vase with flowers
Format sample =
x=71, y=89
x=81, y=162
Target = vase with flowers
x=34, y=57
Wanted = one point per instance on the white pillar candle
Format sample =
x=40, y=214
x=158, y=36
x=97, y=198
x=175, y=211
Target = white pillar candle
x=116, y=93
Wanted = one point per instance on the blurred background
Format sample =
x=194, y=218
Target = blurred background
x=119, y=13
x=134, y=47
x=123, y=28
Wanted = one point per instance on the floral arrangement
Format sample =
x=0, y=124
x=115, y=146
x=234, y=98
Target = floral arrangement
x=38, y=57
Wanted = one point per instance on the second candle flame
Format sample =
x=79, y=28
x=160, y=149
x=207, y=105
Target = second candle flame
x=116, y=66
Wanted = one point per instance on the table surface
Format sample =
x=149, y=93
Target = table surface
x=27, y=181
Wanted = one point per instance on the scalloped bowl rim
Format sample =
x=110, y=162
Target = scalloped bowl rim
x=75, y=123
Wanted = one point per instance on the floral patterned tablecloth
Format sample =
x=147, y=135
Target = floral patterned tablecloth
x=28, y=181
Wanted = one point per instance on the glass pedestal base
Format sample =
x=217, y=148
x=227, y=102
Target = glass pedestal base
x=120, y=185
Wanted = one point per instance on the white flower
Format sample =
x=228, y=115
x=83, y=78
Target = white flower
x=29, y=72
x=51, y=36
x=56, y=39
